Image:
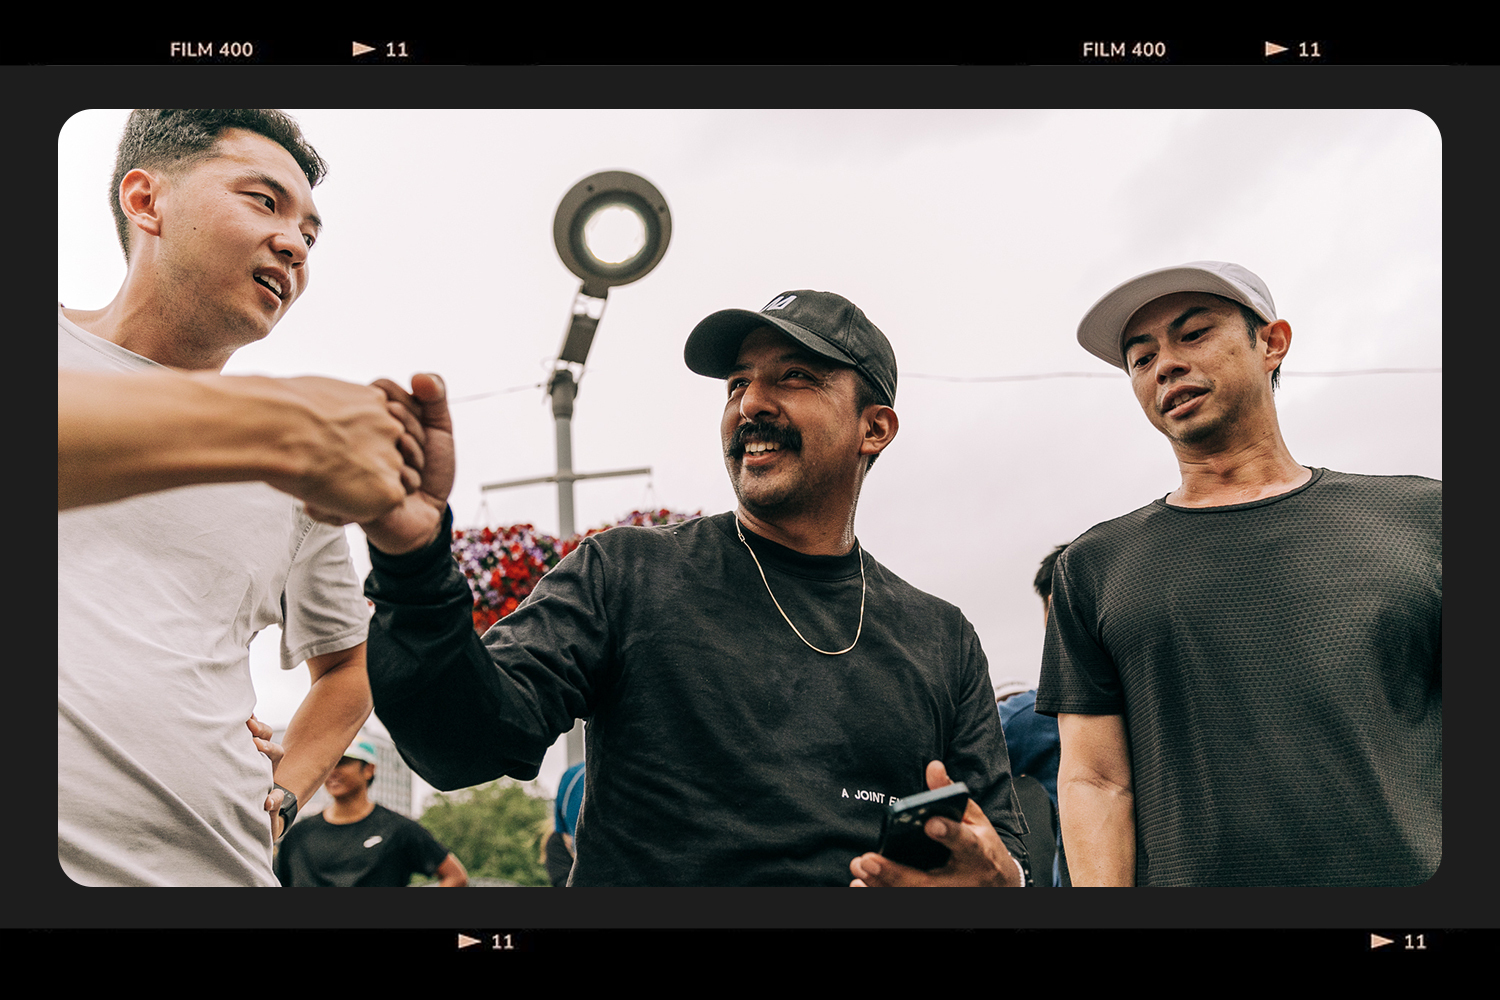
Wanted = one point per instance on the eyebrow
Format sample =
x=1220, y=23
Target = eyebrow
x=1172, y=327
x=282, y=193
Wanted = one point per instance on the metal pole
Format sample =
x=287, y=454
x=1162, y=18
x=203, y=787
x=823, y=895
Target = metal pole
x=563, y=390
x=574, y=743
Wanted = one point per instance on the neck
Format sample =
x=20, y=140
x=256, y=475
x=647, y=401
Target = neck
x=1246, y=471
x=140, y=322
x=810, y=536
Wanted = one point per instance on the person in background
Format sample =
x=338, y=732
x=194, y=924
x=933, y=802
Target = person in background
x=357, y=843
x=565, y=809
x=1030, y=738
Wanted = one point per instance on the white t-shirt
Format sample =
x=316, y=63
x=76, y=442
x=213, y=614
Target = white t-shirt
x=158, y=598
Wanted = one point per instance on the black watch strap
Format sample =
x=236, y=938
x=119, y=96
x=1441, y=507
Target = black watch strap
x=288, y=810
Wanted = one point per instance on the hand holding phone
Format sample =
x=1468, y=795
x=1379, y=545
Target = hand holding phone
x=903, y=837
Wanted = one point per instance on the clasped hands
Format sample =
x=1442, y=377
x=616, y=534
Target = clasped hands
x=387, y=461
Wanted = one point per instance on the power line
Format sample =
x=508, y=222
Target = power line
x=497, y=392
x=1117, y=375
x=1010, y=378
x=1376, y=371
x=1026, y=378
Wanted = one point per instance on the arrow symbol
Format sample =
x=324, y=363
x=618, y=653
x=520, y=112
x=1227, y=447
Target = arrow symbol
x=464, y=940
x=1376, y=941
x=360, y=48
x=1272, y=48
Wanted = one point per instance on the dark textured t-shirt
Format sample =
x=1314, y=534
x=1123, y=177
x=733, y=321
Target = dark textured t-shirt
x=1279, y=667
x=383, y=849
x=721, y=749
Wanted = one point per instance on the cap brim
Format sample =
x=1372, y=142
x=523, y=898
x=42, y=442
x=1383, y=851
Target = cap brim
x=1102, y=326
x=714, y=345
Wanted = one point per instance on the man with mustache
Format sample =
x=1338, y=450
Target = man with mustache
x=758, y=688
x=1247, y=673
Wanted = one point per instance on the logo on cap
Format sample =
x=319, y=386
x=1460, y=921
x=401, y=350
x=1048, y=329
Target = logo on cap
x=779, y=302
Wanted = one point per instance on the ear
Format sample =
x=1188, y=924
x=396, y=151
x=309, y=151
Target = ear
x=140, y=200
x=1278, y=340
x=881, y=425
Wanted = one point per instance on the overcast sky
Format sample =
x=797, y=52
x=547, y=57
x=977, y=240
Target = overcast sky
x=975, y=240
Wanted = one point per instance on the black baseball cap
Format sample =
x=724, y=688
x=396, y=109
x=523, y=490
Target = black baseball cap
x=824, y=323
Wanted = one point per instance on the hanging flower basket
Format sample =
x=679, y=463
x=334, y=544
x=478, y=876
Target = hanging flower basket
x=502, y=565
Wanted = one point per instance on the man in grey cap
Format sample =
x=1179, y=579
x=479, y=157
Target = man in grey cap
x=757, y=687
x=1247, y=673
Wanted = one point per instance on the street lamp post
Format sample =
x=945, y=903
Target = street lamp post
x=611, y=228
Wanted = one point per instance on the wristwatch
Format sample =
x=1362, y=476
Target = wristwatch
x=288, y=810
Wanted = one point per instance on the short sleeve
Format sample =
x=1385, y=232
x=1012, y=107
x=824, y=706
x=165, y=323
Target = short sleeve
x=427, y=851
x=324, y=608
x=1078, y=673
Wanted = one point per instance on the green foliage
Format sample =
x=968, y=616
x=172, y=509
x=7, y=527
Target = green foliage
x=496, y=830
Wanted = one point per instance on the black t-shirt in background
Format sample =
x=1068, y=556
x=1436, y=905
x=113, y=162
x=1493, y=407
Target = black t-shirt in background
x=383, y=849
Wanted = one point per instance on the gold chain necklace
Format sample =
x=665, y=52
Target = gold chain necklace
x=774, y=601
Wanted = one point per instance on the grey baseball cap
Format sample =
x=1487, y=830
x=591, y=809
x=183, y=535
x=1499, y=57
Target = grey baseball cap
x=825, y=323
x=1104, y=324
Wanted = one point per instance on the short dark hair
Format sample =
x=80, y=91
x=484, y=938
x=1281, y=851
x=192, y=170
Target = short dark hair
x=1043, y=581
x=173, y=138
x=1253, y=325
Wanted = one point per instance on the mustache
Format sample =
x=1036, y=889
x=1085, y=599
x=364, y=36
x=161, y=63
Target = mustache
x=785, y=437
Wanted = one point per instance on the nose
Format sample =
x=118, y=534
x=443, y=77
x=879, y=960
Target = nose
x=291, y=245
x=756, y=402
x=1169, y=366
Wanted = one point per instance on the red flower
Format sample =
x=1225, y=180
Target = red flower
x=507, y=571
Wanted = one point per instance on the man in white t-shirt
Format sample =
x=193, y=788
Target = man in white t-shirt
x=160, y=594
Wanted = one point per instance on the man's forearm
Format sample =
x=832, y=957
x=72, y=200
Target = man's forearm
x=123, y=434
x=322, y=440
x=1098, y=828
x=451, y=874
x=326, y=723
x=461, y=715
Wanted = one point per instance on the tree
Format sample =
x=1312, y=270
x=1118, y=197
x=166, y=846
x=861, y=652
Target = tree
x=495, y=829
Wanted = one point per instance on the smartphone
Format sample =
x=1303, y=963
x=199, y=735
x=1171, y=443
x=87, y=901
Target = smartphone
x=902, y=837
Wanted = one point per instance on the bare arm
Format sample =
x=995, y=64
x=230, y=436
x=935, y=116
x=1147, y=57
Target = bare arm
x=341, y=447
x=327, y=721
x=1095, y=800
x=451, y=873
